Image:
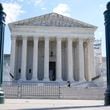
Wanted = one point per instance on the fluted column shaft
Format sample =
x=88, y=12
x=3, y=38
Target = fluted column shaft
x=91, y=67
x=70, y=59
x=58, y=61
x=35, y=59
x=81, y=60
x=24, y=58
x=13, y=54
x=46, y=60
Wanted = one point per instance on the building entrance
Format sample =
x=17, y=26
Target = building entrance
x=52, y=71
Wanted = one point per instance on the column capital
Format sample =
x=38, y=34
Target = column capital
x=58, y=38
x=90, y=40
x=35, y=38
x=13, y=38
x=13, y=35
x=24, y=37
x=80, y=40
x=85, y=44
x=46, y=38
x=69, y=38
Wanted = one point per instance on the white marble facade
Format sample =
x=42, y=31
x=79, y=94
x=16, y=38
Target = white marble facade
x=52, y=47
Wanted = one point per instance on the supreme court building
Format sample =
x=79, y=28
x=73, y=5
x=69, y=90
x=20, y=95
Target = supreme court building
x=52, y=47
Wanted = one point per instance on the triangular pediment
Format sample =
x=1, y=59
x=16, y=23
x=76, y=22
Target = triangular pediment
x=53, y=19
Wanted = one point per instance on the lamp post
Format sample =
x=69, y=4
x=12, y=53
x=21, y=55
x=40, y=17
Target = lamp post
x=2, y=28
x=107, y=37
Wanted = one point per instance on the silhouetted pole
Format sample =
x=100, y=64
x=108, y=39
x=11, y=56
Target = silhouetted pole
x=107, y=37
x=2, y=28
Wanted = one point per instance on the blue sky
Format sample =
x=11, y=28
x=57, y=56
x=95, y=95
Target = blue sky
x=90, y=11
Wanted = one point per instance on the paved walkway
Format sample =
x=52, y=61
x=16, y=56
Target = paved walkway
x=46, y=104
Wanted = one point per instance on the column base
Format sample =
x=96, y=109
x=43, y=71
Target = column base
x=71, y=80
x=83, y=80
x=34, y=80
x=46, y=80
x=1, y=96
x=22, y=80
x=107, y=97
x=59, y=80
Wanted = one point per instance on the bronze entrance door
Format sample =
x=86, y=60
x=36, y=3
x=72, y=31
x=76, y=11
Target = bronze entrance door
x=52, y=71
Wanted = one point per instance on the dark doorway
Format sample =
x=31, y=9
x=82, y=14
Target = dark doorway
x=52, y=71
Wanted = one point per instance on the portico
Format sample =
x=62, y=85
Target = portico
x=54, y=49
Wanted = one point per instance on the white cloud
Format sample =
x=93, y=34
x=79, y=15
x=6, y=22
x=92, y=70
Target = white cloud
x=44, y=8
x=13, y=11
x=36, y=2
x=62, y=9
x=11, y=1
x=102, y=6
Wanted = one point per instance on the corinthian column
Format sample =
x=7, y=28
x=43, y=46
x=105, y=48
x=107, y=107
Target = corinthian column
x=81, y=60
x=59, y=61
x=91, y=68
x=46, y=60
x=70, y=59
x=24, y=58
x=35, y=59
x=13, y=54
